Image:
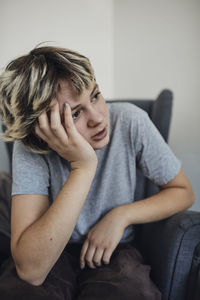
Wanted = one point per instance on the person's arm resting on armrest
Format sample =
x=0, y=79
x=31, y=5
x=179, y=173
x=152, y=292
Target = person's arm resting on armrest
x=175, y=196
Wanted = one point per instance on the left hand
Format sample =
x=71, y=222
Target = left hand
x=102, y=239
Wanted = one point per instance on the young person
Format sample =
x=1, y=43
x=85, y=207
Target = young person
x=74, y=177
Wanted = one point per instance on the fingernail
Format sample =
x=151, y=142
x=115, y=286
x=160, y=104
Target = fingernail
x=65, y=105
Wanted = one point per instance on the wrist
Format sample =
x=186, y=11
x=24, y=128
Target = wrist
x=122, y=213
x=86, y=169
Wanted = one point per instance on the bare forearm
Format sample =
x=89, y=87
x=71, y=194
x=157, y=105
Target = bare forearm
x=160, y=206
x=42, y=243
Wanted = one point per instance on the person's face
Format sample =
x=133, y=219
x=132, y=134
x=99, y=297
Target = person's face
x=89, y=112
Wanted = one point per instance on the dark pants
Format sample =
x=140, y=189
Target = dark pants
x=126, y=277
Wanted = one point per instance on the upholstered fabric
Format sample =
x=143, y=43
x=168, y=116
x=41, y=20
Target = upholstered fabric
x=5, y=206
x=169, y=246
x=5, y=203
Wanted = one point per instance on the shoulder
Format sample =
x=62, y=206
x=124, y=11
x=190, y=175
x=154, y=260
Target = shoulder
x=20, y=151
x=121, y=108
x=24, y=159
x=29, y=167
x=126, y=113
x=27, y=159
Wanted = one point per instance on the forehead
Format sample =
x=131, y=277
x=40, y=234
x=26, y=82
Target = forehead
x=67, y=92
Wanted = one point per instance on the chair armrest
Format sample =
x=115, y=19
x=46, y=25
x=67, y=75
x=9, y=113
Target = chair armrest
x=194, y=280
x=5, y=211
x=4, y=247
x=172, y=248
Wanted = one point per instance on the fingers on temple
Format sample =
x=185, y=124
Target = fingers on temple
x=55, y=122
x=49, y=127
x=68, y=121
x=55, y=115
x=40, y=133
x=42, y=128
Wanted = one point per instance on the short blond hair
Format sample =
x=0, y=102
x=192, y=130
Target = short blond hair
x=29, y=86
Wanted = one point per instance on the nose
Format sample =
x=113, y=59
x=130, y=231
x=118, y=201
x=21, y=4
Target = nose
x=94, y=118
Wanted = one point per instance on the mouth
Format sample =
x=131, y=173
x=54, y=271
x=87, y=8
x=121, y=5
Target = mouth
x=100, y=135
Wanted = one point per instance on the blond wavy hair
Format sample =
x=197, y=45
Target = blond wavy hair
x=29, y=86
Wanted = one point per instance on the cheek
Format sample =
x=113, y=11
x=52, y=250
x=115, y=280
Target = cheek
x=101, y=107
x=81, y=128
x=104, y=106
x=105, y=110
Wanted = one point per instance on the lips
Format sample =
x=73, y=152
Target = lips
x=100, y=135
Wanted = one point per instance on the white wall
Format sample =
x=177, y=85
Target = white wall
x=156, y=46
x=86, y=26
x=137, y=48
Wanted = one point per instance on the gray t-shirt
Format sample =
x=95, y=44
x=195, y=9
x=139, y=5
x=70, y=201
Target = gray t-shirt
x=133, y=139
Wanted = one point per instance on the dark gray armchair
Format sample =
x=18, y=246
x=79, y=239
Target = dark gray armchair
x=170, y=246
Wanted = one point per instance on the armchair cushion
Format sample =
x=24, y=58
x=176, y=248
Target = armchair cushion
x=5, y=207
x=5, y=203
x=171, y=247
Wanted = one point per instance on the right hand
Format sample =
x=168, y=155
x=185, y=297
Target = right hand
x=65, y=139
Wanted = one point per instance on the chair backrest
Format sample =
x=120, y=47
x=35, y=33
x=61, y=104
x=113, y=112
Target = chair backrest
x=159, y=110
x=9, y=147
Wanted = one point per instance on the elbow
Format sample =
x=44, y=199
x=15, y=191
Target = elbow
x=27, y=270
x=29, y=277
x=190, y=197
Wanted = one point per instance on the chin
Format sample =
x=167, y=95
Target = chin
x=100, y=144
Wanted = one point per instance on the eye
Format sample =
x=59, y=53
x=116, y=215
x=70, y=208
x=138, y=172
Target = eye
x=76, y=115
x=96, y=96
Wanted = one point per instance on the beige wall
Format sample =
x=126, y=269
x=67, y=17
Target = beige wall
x=86, y=26
x=156, y=46
x=83, y=25
x=137, y=48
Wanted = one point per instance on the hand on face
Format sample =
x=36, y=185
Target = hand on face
x=89, y=112
x=102, y=240
x=64, y=138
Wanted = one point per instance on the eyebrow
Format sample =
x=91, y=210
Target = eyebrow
x=91, y=94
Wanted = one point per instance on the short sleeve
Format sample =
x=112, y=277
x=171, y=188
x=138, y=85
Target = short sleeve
x=30, y=172
x=154, y=156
